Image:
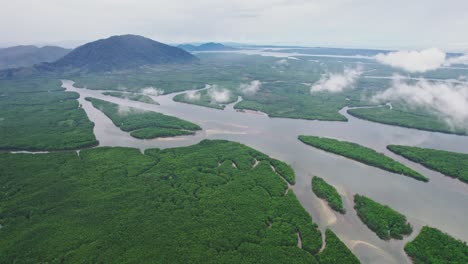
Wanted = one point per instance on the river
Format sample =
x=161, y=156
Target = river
x=440, y=203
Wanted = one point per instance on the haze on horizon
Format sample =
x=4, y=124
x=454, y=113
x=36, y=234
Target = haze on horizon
x=415, y=24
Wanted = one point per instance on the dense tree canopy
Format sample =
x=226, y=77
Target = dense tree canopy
x=433, y=246
x=326, y=191
x=176, y=205
x=449, y=163
x=362, y=154
x=383, y=220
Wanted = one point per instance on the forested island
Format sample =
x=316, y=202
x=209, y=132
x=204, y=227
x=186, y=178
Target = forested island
x=452, y=164
x=435, y=246
x=326, y=191
x=178, y=205
x=383, y=220
x=144, y=124
x=404, y=116
x=362, y=154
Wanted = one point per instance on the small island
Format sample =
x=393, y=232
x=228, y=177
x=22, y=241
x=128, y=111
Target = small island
x=383, y=220
x=144, y=124
x=451, y=164
x=327, y=192
x=362, y=154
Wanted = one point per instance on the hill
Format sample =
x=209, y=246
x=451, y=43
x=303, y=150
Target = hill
x=26, y=56
x=210, y=46
x=119, y=53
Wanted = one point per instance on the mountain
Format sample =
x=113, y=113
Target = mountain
x=119, y=53
x=210, y=46
x=25, y=56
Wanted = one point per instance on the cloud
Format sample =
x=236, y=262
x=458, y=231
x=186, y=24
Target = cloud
x=219, y=95
x=457, y=60
x=449, y=100
x=192, y=95
x=337, y=82
x=251, y=88
x=414, y=61
x=282, y=62
x=151, y=91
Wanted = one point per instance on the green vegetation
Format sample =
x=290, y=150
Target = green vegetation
x=144, y=124
x=156, y=132
x=432, y=246
x=326, y=191
x=406, y=117
x=362, y=154
x=448, y=163
x=36, y=114
x=180, y=205
x=336, y=251
x=132, y=96
x=383, y=220
x=284, y=170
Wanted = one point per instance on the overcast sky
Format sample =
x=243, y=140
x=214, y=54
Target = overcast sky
x=337, y=23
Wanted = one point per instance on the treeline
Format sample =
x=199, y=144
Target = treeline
x=144, y=124
x=433, y=246
x=362, y=154
x=452, y=164
x=383, y=220
x=403, y=116
x=326, y=191
x=37, y=114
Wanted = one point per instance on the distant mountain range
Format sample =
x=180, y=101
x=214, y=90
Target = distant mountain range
x=111, y=54
x=210, y=46
x=26, y=56
x=120, y=53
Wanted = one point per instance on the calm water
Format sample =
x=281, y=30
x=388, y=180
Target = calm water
x=441, y=203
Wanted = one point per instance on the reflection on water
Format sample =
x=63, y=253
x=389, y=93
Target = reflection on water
x=441, y=203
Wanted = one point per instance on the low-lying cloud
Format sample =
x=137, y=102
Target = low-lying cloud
x=219, y=95
x=251, y=88
x=449, y=100
x=414, y=61
x=457, y=60
x=337, y=82
x=152, y=91
x=282, y=62
x=193, y=95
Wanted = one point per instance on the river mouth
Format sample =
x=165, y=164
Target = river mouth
x=441, y=203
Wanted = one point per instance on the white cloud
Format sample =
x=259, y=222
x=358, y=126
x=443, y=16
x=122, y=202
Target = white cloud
x=192, y=95
x=447, y=99
x=251, y=88
x=219, y=95
x=337, y=82
x=457, y=60
x=414, y=61
x=282, y=62
x=151, y=91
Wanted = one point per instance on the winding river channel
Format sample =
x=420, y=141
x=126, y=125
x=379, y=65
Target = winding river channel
x=440, y=203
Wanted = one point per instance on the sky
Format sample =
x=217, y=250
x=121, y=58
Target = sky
x=396, y=24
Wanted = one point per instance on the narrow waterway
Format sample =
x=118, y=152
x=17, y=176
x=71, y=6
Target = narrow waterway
x=441, y=203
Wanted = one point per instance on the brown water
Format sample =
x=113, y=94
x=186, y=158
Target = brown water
x=441, y=203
